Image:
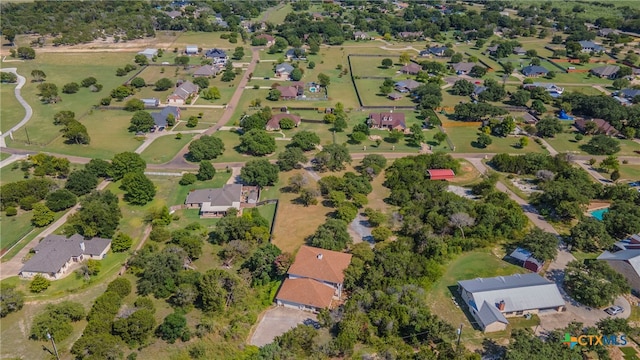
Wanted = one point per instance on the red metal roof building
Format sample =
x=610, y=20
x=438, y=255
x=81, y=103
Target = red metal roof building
x=441, y=174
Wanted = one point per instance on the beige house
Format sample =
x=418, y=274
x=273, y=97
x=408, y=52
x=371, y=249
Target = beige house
x=492, y=300
x=55, y=254
x=215, y=202
x=187, y=92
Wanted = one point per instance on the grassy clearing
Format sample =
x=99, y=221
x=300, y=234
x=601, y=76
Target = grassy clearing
x=9, y=174
x=4, y=156
x=566, y=142
x=201, y=39
x=369, y=90
x=372, y=66
x=62, y=68
x=14, y=228
x=464, y=138
x=11, y=112
x=165, y=148
x=630, y=172
x=175, y=194
x=481, y=263
x=295, y=222
x=277, y=16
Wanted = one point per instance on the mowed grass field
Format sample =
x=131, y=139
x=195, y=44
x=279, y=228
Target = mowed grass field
x=62, y=68
x=566, y=142
x=11, y=112
x=369, y=90
x=165, y=148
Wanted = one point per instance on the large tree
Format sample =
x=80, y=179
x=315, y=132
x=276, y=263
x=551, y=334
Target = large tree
x=332, y=157
x=205, y=148
x=81, y=182
x=602, y=145
x=622, y=219
x=548, y=127
x=259, y=172
x=306, y=140
x=290, y=158
x=139, y=190
x=257, y=142
x=590, y=235
x=332, y=235
x=99, y=215
x=76, y=133
x=206, y=171
x=542, y=245
x=141, y=121
x=61, y=199
x=126, y=162
x=594, y=283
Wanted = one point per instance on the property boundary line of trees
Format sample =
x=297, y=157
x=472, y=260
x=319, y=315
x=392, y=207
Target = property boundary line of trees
x=489, y=67
x=449, y=141
x=275, y=214
x=135, y=75
x=555, y=64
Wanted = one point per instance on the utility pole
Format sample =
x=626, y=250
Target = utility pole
x=55, y=349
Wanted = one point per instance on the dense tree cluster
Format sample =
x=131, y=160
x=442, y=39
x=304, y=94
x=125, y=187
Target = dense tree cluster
x=56, y=321
x=11, y=300
x=594, y=283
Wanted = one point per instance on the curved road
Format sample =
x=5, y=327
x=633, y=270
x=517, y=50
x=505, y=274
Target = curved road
x=27, y=108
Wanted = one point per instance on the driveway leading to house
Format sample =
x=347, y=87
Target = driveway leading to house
x=277, y=321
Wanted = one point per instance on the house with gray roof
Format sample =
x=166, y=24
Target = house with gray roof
x=590, y=46
x=56, y=254
x=185, y=91
x=492, y=300
x=215, y=202
x=411, y=69
x=435, y=51
x=284, y=70
x=218, y=56
x=463, y=68
x=550, y=87
x=625, y=259
x=160, y=117
x=205, y=71
x=629, y=93
x=406, y=85
x=534, y=71
x=607, y=71
x=519, y=50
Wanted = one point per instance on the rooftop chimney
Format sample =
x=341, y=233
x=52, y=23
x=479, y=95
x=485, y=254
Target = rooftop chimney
x=319, y=256
x=501, y=305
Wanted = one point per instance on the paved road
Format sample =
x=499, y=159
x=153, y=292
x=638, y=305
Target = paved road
x=179, y=161
x=25, y=105
x=11, y=159
x=13, y=266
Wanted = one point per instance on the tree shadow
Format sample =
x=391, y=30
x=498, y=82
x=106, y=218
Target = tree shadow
x=477, y=145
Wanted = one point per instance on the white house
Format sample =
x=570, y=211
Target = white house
x=492, y=300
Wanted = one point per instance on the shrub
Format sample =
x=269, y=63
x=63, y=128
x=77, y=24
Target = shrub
x=39, y=284
x=11, y=211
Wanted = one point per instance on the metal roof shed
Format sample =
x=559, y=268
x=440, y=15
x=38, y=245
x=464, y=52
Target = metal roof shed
x=441, y=174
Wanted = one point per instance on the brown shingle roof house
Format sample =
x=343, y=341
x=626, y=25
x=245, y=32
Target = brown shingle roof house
x=317, y=268
x=601, y=126
x=288, y=92
x=274, y=122
x=411, y=68
x=387, y=121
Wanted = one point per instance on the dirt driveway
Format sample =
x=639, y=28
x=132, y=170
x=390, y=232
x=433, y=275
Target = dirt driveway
x=277, y=321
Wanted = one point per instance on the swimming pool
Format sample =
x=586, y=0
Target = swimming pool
x=598, y=214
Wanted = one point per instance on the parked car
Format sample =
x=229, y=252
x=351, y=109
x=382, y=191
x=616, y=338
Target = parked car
x=614, y=310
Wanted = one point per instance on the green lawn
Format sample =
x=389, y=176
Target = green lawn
x=4, y=156
x=165, y=148
x=369, y=90
x=14, y=228
x=175, y=194
x=264, y=69
x=11, y=112
x=205, y=40
x=9, y=174
x=108, y=132
x=62, y=68
x=467, y=266
x=463, y=138
x=565, y=142
x=277, y=15
x=372, y=66
x=630, y=172
x=630, y=353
